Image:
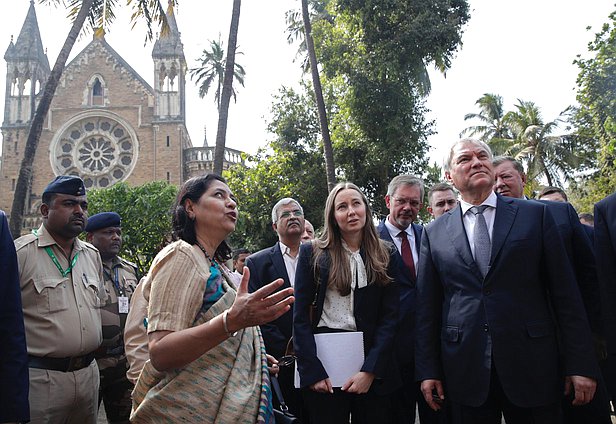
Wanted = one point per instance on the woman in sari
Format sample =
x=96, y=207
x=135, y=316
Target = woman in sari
x=207, y=358
x=345, y=282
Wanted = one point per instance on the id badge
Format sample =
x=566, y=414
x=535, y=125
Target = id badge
x=123, y=304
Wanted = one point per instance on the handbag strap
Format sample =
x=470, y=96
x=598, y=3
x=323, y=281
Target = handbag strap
x=283, y=406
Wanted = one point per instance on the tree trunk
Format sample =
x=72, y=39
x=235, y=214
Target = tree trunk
x=227, y=89
x=328, y=151
x=24, y=181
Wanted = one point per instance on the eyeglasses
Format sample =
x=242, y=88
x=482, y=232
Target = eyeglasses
x=288, y=214
x=401, y=201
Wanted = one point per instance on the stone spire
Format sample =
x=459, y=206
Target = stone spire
x=169, y=44
x=29, y=46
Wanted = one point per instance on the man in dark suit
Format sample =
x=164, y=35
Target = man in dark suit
x=605, y=251
x=13, y=355
x=280, y=261
x=510, y=180
x=404, y=198
x=492, y=290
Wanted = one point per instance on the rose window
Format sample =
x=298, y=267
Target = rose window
x=100, y=149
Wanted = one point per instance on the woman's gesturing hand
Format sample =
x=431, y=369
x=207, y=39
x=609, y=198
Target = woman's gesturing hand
x=260, y=307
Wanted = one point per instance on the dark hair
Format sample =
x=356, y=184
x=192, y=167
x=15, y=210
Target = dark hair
x=47, y=198
x=439, y=187
x=551, y=190
x=587, y=216
x=184, y=227
x=239, y=251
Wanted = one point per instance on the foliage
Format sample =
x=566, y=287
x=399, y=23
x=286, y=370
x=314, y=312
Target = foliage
x=595, y=118
x=492, y=128
x=212, y=70
x=291, y=166
x=146, y=217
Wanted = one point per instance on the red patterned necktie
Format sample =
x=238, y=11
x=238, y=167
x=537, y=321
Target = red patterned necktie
x=407, y=254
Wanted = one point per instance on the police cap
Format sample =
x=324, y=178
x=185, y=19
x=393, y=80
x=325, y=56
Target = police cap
x=66, y=184
x=103, y=220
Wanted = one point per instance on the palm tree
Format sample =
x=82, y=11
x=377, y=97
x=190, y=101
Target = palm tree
x=545, y=154
x=212, y=71
x=492, y=129
x=100, y=14
x=227, y=89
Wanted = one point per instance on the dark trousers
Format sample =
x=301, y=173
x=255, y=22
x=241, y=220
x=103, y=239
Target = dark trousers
x=292, y=396
x=498, y=405
x=115, y=392
x=408, y=397
x=336, y=408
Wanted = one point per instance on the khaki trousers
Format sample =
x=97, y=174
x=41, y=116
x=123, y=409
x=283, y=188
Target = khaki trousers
x=64, y=397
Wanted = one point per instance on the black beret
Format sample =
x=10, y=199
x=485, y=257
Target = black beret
x=66, y=184
x=103, y=220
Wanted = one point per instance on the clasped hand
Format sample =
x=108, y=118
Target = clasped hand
x=260, y=307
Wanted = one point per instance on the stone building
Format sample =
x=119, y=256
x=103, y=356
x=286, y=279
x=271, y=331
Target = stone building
x=106, y=123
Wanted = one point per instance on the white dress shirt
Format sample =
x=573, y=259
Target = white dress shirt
x=469, y=218
x=290, y=262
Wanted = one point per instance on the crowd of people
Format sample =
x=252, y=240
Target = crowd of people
x=501, y=307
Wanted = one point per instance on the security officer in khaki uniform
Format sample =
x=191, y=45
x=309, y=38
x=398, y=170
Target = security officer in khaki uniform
x=61, y=283
x=104, y=231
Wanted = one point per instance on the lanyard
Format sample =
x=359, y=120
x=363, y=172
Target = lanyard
x=116, y=281
x=55, y=261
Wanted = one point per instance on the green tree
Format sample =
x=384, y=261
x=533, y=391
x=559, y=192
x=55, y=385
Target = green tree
x=492, y=128
x=146, y=217
x=99, y=15
x=212, y=71
x=595, y=118
x=227, y=89
x=290, y=166
x=545, y=153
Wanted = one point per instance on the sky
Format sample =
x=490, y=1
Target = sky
x=520, y=50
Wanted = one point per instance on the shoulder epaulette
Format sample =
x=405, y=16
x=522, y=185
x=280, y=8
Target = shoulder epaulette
x=24, y=240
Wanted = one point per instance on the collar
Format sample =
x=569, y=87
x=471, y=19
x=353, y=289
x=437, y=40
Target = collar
x=45, y=239
x=394, y=231
x=286, y=250
x=490, y=201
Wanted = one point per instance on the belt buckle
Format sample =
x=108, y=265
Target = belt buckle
x=76, y=363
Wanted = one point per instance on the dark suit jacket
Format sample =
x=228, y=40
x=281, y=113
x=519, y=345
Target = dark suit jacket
x=605, y=251
x=579, y=249
x=376, y=315
x=266, y=266
x=13, y=355
x=467, y=324
x=405, y=337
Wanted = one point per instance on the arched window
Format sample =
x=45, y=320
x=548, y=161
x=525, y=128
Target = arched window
x=98, y=93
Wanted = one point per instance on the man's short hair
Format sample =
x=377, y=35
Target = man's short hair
x=439, y=187
x=406, y=179
x=550, y=190
x=447, y=164
x=239, y=251
x=587, y=217
x=516, y=163
x=281, y=203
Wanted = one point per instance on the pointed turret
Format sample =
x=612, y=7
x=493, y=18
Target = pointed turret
x=29, y=46
x=169, y=44
x=169, y=73
x=27, y=72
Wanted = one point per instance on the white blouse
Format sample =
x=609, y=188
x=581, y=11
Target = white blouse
x=338, y=309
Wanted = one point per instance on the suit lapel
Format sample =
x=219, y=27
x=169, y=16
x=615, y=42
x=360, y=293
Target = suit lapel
x=503, y=222
x=278, y=262
x=457, y=233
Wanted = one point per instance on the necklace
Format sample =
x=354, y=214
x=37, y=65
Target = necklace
x=212, y=261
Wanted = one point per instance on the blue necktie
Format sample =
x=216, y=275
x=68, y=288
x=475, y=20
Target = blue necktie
x=481, y=240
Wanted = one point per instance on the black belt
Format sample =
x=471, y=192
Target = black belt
x=61, y=364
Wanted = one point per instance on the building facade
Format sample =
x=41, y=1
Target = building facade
x=106, y=123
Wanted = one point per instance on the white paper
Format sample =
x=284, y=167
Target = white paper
x=342, y=355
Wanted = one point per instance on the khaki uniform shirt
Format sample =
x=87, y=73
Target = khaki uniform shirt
x=120, y=280
x=61, y=314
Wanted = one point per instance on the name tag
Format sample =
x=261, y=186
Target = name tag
x=123, y=304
